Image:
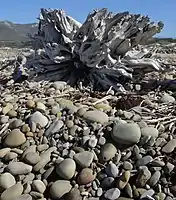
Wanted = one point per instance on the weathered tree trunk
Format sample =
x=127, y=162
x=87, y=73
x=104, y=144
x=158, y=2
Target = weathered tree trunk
x=98, y=52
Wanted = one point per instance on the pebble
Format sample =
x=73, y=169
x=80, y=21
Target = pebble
x=59, y=188
x=107, y=152
x=112, y=170
x=149, y=131
x=38, y=118
x=10, y=156
x=86, y=176
x=74, y=194
x=154, y=178
x=143, y=176
x=123, y=180
x=40, y=106
x=18, y=168
x=7, y=180
x=112, y=194
x=166, y=98
x=107, y=182
x=144, y=161
x=4, y=151
x=127, y=165
x=15, y=138
x=54, y=127
x=66, y=169
x=126, y=133
x=32, y=158
x=92, y=141
x=84, y=159
x=59, y=85
x=38, y=186
x=96, y=116
x=170, y=146
x=12, y=192
x=24, y=197
x=149, y=193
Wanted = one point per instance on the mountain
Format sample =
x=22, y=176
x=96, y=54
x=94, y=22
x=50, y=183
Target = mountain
x=11, y=32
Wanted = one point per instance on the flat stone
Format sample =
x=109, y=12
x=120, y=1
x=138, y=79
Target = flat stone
x=84, y=159
x=170, y=146
x=149, y=193
x=4, y=151
x=154, y=178
x=39, y=118
x=59, y=85
x=40, y=106
x=107, y=152
x=149, y=131
x=54, y=127
x=66, y=169
x=7, y=180
x=144, y=161
x=59, y=188
x=143, y=176
x=112, y=170
x=96, y=116
x=112, y=194
x=86, y=176
x=32, y=158
x=166, y=98
x=126, y=133
x=12, y=192
x=15, y=138
x=38, y=186
x=19, y=168
x=10, y=156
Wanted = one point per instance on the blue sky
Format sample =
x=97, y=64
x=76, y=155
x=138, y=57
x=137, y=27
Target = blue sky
x=26, y=11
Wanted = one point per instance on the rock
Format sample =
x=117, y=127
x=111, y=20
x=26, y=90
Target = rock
x=149, y=193
x=54, y=127
x=112, y=170
x=123, y=180
x=30, y=104
x=15, y=123
x=7, y=180
x=86, y=176
x=10, y=156
x=38, y=186
x=59, y=188
x=173, y=190
x=126, y=133
x=24, y=197
x=74, y=194
x=149, y=131
x=4, y=119
x=59, y=85
x=154, y=179
x=32, y=158
x=19, y=168
x=96, y=116
x=7, y=108
x=112, y=194
x=39, y=118
x=4, y=151
x=127, y=165
x=166, y=98
x=107, y=152
x=40, y=106
x=144, y=161
x=66, y=169
x=92, y=141
x=15, y=138
x=143, y=176
x=107, y=182
x=170, y=146
x=12, y=192
x=84, y=159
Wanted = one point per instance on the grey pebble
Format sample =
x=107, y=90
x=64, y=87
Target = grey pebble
x=19, y=168
x=107, y=182
x=144, y=161
x=149, y=131
x=107, y=152
x=84, y=159
x=112, y=170
x=154, y=178
x=112, y=194
x=150, y=193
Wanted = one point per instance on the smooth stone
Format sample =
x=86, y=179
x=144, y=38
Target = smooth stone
x=55, y=109
x=4, y=119
x=16, y=123
x=10, y=156
x=112, y=170
x=154, y=178
x=74, y=194
x=126, y=133
x=59, y=85
x=7, y=108
x=12, y=192
x=96, y=116
x=166, y=98
x=39, y=118
x=150, y=193
x=92, y=141
x=30, y=103
x=15, y=138
x=169, y=167
x=170, y=146
x=112, y=194
x=86, y=176
x=32, y=158
x=24, y=197
x=107, y=152
x=18, y=168
x=54, y=127
x=173, y=190
x=84, y=159
x=149, y=131
x=38, y=186
x=123, y=180
x=7, y=180
x=4, y=151
x=143, y=176
x=59, y=188
x=66, y=169
x=107, y=182
x=127, y=165
x=144, y=161
x=40, y=106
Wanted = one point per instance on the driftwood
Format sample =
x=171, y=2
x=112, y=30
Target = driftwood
x=99, y=53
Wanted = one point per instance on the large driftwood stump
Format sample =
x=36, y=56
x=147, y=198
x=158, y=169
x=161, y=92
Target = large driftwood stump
x=99, y=53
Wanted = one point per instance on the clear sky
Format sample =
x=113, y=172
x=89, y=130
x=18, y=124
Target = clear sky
x=26, y=11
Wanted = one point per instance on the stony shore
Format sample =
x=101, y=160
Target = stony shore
x=59, y=143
